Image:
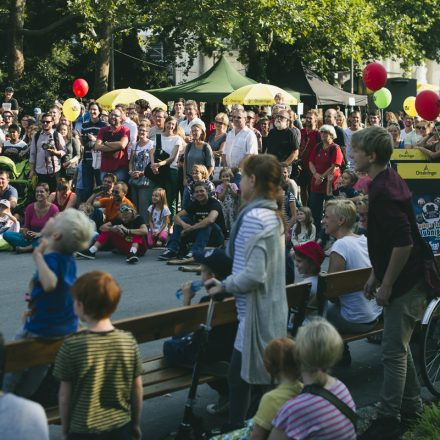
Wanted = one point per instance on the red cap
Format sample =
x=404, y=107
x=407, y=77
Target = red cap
x=311, y=250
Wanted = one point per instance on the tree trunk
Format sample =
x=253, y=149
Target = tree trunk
x=15, y=43
x=257, y=62
x=102, y=61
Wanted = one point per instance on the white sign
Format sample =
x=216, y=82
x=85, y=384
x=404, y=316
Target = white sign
x=351, y=101
x=300, y=108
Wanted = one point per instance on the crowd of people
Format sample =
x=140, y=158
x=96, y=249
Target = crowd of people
x=279, y=188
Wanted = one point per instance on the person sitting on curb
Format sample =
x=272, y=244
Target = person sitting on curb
x=112, y=204
x=202, y=223
x=126, y=233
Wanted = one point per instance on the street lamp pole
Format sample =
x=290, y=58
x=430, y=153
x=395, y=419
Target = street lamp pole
x=112, y=62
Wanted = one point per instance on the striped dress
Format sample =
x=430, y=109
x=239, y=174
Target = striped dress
x=254, y=222
x=312, y=417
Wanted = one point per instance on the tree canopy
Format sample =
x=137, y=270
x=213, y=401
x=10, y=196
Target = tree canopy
x=47, y=44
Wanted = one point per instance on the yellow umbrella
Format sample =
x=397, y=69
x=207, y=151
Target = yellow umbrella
x=128, y=96
x=258, y=94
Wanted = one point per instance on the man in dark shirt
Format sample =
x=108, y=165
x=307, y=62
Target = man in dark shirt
x=283, y=142
x=201, y=223
x=396, y=281
x=91, y=162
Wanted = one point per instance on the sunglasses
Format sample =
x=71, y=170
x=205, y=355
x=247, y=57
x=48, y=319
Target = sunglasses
x=219, y=122
x=7, y=116
x=125, y=209
x=46, y=122
x=280, y=117
x=421, y=127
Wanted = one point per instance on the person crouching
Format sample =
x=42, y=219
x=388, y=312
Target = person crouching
x=126, y=233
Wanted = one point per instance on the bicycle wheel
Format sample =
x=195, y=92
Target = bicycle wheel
x=430, y=347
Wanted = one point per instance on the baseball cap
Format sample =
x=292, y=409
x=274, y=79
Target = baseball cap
x=217, y=261
x=6, y=203
x=37, y=111
x=311, y=250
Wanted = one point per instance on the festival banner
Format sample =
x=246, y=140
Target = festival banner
x=423, y=179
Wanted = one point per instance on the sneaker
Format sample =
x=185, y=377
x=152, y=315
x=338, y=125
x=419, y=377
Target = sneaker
x=383, y=428
x=167, y=255
x=188, y=258
x=132, y=258
x=86, y=254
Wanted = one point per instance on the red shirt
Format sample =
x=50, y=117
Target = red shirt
x=112, y=161
x=323, y=159
x=309, y=140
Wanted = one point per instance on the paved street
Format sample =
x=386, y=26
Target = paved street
x=150, y=286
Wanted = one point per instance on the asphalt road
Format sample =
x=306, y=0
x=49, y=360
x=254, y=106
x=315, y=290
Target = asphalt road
x=148, y=287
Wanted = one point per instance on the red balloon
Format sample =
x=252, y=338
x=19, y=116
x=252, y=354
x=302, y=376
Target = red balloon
x=80, y=87
x=374, y=76
x=428, y=105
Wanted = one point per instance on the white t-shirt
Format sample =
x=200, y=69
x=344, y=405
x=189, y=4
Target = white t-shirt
x=404, y=134
x=412, y=138
x=354, y=306
x=238, y=145
x=133, y=133
x=157, y=217
x=348, y=133
x=168, y=145
x=186, y=126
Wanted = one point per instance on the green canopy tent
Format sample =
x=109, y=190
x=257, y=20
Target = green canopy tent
x=220, y=80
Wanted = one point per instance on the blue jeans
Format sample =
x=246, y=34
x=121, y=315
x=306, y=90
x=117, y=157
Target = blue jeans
x=16, y=239
x=212, y=235
x=90, y=177
x=121, y=174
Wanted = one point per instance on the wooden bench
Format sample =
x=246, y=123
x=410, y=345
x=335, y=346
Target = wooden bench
x=334, y=285
x=159, y=377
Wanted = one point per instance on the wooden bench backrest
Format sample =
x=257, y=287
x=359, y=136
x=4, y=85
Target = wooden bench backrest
x=332, y=285
x=154, y=326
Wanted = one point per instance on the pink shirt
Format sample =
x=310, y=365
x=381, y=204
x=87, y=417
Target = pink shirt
x=35, y=223
x=308, y=416
x=362, y=184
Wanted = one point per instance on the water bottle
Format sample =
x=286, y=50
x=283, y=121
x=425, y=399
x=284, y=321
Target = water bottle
x=195, y=287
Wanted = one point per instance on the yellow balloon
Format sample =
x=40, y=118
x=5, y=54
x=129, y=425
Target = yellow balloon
x=71, y=109
x=409, y=105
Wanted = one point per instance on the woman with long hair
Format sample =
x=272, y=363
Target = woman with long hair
x=63, y=197
x=72, y=147
x=36, y=215
x=172, y=144
x=257, y=248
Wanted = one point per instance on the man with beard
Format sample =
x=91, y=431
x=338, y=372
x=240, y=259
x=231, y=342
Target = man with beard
x=282, y=142
x=113, y=141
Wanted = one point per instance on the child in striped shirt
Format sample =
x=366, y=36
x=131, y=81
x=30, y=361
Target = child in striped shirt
x=99, y=369
x=309, y=416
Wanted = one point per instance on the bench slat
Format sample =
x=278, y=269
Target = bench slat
x=176, y=384
x=332, y=285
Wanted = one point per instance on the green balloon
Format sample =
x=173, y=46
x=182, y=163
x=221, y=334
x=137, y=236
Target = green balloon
x=382, y=98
